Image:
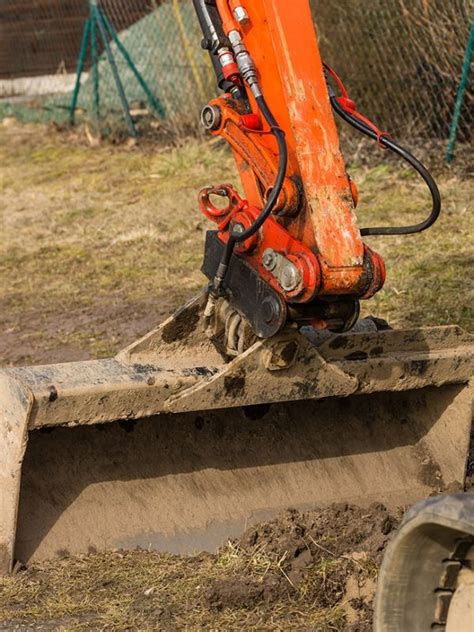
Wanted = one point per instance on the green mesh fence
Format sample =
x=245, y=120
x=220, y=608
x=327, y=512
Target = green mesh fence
x=165, y=48
x=400, y=59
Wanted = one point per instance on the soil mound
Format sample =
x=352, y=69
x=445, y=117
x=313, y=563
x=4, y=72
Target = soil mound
x=327, y=558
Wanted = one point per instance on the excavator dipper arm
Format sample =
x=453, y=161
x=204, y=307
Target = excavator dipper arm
x=294, y=238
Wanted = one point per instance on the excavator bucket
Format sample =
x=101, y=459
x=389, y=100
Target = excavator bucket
x=171, y=446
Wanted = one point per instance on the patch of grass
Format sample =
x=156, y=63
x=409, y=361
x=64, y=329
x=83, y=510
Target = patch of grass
x=427, y=282
x=95, y=226
x=84, y=228
x=145, y=591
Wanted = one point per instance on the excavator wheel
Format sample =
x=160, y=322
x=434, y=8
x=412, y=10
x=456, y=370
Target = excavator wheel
x=427, y=577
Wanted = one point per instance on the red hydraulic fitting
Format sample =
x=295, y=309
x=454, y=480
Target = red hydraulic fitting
x=251, y=121
x=229, y=66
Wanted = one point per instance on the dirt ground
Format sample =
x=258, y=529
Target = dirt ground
x=302, y=571
x=98, y=245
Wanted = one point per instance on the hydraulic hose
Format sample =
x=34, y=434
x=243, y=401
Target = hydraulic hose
x=212, y=37
x=408, y=157
x=236, y=237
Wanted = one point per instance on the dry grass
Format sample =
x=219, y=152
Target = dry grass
x=145, y=591
x=94, y=231
x=82, y=223
x=99, y=243
x=428, y=280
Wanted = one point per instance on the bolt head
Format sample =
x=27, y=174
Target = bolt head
x=211, y=117
x=269, y=259
x=241, y=15
x=270, y=310
x=290, y=277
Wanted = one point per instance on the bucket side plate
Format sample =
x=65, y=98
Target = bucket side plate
x=15, y=405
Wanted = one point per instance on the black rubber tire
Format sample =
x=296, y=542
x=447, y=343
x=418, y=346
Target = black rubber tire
x=418, y=577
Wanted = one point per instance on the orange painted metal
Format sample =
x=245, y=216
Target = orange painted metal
x=228, y=22
x=316, y=207
x=256, y=157
x=271, y=235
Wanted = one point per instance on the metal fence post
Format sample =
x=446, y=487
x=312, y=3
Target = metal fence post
x=95, y=73
x=460, y=95
x=118, y=83
x=80, y=67
x=155, y=104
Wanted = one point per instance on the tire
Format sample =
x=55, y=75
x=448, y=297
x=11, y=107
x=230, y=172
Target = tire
x=426, y=581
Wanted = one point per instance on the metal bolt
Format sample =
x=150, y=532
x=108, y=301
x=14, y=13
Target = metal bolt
x=211, y=117
x=270, y=310
x=269, y=259
x=53, y=393
x=241, y=15
x=289, y=277
x=238, y=228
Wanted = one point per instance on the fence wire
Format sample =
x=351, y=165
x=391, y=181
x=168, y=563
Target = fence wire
x=400, y=59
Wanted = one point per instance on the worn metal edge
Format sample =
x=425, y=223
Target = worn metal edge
x=16, y=401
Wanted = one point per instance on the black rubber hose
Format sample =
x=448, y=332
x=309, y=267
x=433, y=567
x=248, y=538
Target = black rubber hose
x=272, y=199
x=408, y=157
x=209, y=21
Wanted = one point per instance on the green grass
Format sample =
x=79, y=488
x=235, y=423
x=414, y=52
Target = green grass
x=428, y=280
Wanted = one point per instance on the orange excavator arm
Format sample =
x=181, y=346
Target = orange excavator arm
x=291, y=249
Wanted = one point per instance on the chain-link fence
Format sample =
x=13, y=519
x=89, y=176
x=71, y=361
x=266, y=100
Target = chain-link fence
x=401, y=60
x=161, y=41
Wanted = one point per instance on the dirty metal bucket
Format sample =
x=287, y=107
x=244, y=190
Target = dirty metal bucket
x=171, y=447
